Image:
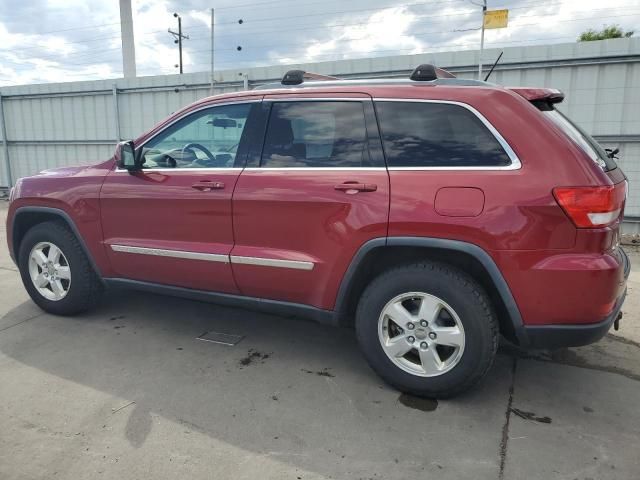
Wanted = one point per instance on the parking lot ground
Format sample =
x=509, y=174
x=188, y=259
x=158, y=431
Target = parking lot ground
x=127, y=391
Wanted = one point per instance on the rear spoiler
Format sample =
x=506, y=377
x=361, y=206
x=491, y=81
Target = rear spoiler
x=550, y=95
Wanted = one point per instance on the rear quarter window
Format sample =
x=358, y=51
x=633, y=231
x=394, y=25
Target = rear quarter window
x=424, y=134
x=580, y=137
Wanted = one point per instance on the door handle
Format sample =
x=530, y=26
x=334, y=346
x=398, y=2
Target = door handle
x=355, y=187
x=208, y=185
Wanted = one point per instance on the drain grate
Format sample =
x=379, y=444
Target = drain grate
x=221, y=338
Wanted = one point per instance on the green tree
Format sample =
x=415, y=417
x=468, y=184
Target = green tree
x=611, y=31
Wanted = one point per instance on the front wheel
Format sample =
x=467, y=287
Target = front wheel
x=56, y=271
x=428, y=329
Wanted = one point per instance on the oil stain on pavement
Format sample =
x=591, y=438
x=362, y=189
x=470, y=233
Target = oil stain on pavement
x=418, y=403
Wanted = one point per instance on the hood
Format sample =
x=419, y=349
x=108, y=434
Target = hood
x=63, y=171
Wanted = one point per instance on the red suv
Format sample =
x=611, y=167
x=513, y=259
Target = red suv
x=433, y=213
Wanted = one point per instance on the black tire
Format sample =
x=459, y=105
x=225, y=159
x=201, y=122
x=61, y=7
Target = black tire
x=458, y=290
x=85, y=288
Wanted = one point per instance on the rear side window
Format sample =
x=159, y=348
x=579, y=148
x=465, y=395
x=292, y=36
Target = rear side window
x=316, y=134
x=580, y=137
x=422, y=134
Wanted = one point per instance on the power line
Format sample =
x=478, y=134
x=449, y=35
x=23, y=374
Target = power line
x=257, y=4
x=112, y=51
x=228, y=23
x=342, y=24
x=415, y=34
x=270, y=19
x=78, y=28
x=305, y=27
x=430, y=46
x=380, y=9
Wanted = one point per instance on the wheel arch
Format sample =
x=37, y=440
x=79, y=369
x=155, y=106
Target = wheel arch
x=27, y=217
x=379, y=254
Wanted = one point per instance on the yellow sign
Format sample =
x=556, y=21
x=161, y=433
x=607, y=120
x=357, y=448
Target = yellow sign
x=496, y=18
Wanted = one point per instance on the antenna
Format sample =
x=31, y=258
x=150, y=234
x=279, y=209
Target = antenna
x=493, y=66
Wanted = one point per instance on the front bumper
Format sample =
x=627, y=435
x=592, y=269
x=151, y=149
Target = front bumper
x=575, y=335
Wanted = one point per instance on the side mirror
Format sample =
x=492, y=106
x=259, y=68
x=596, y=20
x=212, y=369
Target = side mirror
x=126, y=156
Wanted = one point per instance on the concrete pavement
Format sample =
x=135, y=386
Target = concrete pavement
x=127, y=391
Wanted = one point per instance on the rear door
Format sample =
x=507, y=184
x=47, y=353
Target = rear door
x=317, y=191
x=170, y=223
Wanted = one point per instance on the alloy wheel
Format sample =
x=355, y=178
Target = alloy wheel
x=421, y=334
x=49, y=271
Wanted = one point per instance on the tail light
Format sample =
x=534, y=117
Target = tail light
x=591, y=207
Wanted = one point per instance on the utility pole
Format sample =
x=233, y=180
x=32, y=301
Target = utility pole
x=484, y=11
x=128, y=45
x=178, y=37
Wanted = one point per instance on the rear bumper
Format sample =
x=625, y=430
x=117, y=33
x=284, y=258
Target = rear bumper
x=575, y=335
x=559, y=336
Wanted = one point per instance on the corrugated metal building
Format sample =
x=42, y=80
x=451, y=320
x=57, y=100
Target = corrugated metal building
x=59, y=124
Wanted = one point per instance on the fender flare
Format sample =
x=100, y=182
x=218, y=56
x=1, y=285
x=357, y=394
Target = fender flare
x=444, y=244
x=60, y=214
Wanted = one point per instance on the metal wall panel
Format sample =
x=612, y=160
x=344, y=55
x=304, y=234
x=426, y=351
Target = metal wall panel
x=30, y=158
x=3, y=173
x=52, y=125
x=87, y=117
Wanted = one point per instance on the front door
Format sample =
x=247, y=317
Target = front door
x=318, y=191
x=170, y=223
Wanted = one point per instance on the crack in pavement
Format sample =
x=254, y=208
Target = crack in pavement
x=505, y=428
x=623, y=340
x=570, y=359
x=21, y=322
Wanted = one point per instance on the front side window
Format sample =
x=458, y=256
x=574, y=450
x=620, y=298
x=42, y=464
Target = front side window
x=316, y=134
x=422, y=134
x=205, y=139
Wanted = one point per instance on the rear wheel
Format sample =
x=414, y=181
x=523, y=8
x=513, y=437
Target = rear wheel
x=428, y=329
x=55, y=270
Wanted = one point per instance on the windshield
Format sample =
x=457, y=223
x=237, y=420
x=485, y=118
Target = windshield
x=582, y=138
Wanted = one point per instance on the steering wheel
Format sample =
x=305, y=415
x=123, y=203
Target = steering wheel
x=203, y=149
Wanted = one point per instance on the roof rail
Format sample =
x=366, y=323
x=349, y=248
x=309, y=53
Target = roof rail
x=425, y=73
x=422, y=73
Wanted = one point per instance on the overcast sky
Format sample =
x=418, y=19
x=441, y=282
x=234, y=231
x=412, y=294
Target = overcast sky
x=68, y=40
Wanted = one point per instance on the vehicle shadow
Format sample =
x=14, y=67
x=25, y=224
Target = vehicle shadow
x=295, y=390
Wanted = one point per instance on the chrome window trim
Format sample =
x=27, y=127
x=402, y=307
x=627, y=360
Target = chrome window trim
x=161, y=252
x=324, y=169
x=272, y=262
x=453, y=169
x=183, y=169
x=215, y=257
x=515, y=161
x=174, y=121
x=267, y=98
